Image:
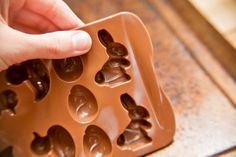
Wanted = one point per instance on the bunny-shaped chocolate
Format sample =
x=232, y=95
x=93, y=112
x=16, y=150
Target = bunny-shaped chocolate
x=113, y=71
x=136, y=130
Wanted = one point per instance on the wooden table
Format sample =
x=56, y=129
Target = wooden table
x=201, y=90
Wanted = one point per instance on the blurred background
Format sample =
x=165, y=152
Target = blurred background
x=195, y=59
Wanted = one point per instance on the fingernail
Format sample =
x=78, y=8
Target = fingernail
x=81, y=41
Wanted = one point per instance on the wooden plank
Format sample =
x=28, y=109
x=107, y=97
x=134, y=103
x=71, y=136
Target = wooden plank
x=199, y=52
x=220, y=13
x=231, y=152
x=232, y=37
x=217, y=44
x=203, y=127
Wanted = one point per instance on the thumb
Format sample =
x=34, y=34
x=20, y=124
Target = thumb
x=17, y=46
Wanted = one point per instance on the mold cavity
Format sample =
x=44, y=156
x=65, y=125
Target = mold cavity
x=135, y=134
x=35, y=72
x=113, y=71
x=7, y=152
x=104, y=37
x=96, y=142
x=16, y=74
x=8, y=101
x=68, y=69
x=38, y=77
x=117, y=49
x=116, y=62
x=82, y=104
x=99, y=78
x=63, y=144
x=111, y=76
x=40, y=145
x=58, y=140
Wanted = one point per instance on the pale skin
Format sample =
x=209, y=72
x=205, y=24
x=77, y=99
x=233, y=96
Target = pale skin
x=31, y=29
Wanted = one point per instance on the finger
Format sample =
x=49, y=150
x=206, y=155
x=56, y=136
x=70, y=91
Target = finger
x=22, y=28
x=33, y=20
x=56, y=11
x=59, y=44
x=17, y=46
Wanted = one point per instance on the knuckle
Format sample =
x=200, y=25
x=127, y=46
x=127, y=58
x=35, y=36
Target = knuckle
x=55, y=48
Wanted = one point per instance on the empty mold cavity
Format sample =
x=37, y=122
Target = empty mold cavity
x=8, y=101
x=58, y=140
x=68, y=69
x=136, y=131
x=113, y=71
x=16, y=74
x=7, y=152
x=35, y=72
x=82, y=104
x=96, y=142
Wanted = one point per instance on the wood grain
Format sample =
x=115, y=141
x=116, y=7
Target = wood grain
x=205, y=116
x=221, y=14
x=221, y=49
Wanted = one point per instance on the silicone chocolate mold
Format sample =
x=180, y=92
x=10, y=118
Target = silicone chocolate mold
x=105, y=103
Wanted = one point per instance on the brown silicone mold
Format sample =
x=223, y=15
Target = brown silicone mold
x=105, y=103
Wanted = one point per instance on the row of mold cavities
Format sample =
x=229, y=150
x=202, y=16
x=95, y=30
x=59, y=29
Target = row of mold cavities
x=70, y=69
x=96, y=142
x=59, y=142
x=112, y=72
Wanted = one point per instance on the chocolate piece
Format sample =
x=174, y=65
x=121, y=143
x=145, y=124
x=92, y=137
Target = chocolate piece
x=8, y=101
x=35, y=72
x=40, y=145
x=63, y=144
x=96, y=142
x=7, y=152
x=38, y=77
x=136, y=131
x=16, y=74
x=57, y=139
x=113, y=71
x=116, y=49
x=104, y=37
x=68, y=69
x=82, y=103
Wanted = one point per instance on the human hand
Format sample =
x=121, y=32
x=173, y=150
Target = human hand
x=27, y=31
